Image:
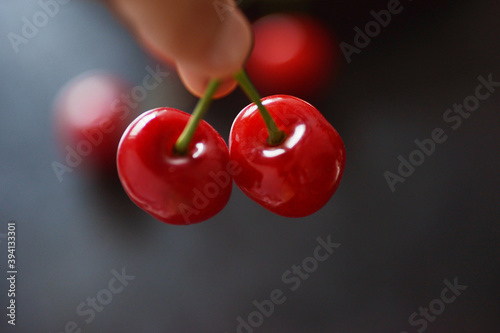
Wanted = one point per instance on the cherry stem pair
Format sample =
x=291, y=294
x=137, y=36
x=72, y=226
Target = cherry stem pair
x=276, y=136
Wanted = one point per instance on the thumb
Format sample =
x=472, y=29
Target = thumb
x=205, y=38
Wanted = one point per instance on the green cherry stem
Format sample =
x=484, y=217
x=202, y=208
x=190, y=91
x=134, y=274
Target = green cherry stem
x=276, y=136
x=181, y=146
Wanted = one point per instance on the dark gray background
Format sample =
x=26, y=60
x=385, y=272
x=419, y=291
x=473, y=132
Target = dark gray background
x=397, y=248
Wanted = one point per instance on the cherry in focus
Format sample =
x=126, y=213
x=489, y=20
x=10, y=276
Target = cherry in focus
x=293, y=54
x=90, y=119
x=296, y=177
x=174, y=188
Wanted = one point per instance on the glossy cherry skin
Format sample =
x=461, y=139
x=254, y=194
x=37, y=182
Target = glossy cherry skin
x=176, y=189
x=297, y=177
x=293, y=54
x=90, y=119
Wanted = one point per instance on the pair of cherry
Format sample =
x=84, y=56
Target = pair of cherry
x=282, y=153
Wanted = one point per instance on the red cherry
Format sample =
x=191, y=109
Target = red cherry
x=173, y=188
x=296, y=177
x=90, y=119
x=292, y=54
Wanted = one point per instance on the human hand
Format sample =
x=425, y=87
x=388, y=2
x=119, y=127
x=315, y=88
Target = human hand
x=204, y=38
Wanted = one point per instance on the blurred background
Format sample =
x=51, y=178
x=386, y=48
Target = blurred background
x=399, y=249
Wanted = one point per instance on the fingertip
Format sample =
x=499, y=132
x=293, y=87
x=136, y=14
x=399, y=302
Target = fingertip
x=228, y=52
x=226, y=87
x=231, y=46
x=201, y=39
x=196, y=83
